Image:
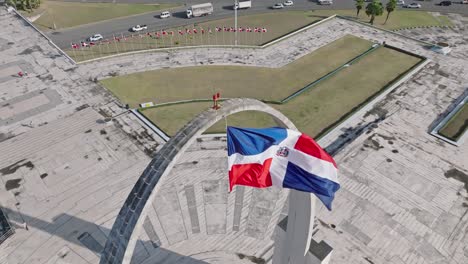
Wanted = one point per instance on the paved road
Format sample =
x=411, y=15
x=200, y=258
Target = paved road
x=222, y=9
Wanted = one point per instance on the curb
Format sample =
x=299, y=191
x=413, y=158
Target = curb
x=456, y=106
x=42, y=34
x=150, y=125
x=419, y=27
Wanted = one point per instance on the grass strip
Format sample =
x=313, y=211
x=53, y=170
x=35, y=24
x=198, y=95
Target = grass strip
x=315, y=110
x=270, y=84
x=70, y=14
x=274, y=22
x=457, y=125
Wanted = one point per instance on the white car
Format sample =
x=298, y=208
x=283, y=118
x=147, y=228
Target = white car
x=400, y=3
x=278, y=6
x=139, y=28
x=288, y=3
x=413, y=5
x=95, y=37
x=165, y=14
x=325, y=2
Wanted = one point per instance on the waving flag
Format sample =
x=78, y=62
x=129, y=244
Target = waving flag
x=264, y=157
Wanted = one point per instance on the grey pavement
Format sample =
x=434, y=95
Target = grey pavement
x=399, y=202
x=222, y=9
x=402, y=198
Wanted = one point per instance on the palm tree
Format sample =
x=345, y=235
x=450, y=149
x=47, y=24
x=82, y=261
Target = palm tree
x=359, y=6
x=391, y=5
x=373, y=9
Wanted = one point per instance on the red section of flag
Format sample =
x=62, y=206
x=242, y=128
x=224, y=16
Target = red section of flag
x=254, y=175
x=307, y=145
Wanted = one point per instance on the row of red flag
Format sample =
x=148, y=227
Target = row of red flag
x=158, y=34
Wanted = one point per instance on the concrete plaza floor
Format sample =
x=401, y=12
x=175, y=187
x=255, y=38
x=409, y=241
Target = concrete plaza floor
x=67, y=168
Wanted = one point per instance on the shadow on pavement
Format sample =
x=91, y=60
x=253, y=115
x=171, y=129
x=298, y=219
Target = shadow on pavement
x=93, y=237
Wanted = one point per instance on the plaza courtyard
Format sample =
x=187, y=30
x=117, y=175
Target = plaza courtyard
x=71, y=152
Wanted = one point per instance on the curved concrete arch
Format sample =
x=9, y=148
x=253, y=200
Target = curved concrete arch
x=128, y=224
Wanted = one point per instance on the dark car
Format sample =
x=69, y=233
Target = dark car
x=445, y=3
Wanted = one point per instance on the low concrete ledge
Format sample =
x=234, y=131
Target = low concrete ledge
x=454, y=108
x=319, y=253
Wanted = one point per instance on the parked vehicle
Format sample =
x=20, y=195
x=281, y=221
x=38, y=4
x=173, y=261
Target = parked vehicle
x=464, y=2
x=95, y=37
x=325, y=2
x=278, y=6
x=139, y=28
x=243, y=4
x=200, y=10
x=400, y=3
x=413, y=5
x=288, y=3
x=445, y=3
x=165, y=14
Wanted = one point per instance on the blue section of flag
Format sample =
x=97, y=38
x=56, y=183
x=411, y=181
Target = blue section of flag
x=253, y=141
x=301, y=180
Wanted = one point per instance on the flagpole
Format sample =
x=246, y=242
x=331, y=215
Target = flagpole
x=91, y=49
x=236, y=4
x=100, y=53
x=73, y=48
x=115, y=44
x=292, y=247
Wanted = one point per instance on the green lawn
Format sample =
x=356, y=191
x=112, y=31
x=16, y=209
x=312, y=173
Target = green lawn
x=166, y=85
x=457, y=125
x=273, y=22
x=172, y=118
x=403, y=19
x=313, y=111
x=70, y=14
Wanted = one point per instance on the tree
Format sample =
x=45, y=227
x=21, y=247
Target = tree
x=391, y=5
x=359, y=6
x=24, y=4
x=373, y=9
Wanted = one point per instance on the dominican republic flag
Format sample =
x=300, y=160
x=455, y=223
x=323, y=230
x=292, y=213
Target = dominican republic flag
x=264, y=157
